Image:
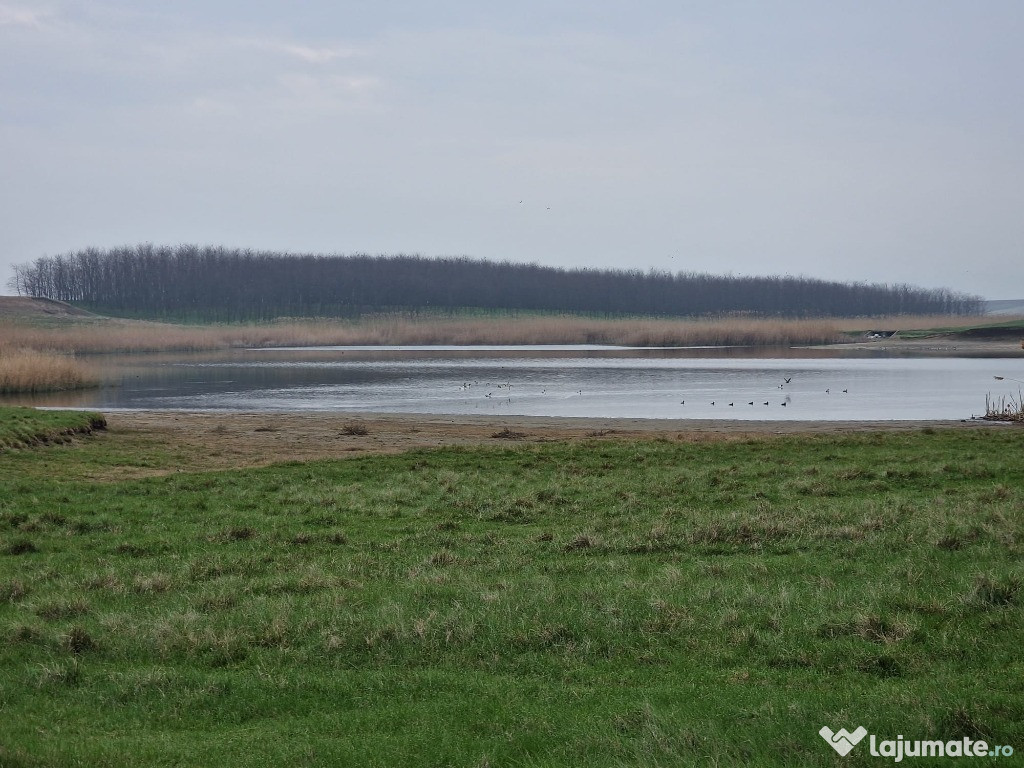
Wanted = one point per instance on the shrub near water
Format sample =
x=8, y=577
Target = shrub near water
x=28, y=370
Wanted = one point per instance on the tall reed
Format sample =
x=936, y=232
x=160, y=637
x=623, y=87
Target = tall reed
x=112, y=335
x=1004, y=407
x=129, y=336
x=29, y=370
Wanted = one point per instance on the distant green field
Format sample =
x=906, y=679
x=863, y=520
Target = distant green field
x=598, y=604
x=1010, y=328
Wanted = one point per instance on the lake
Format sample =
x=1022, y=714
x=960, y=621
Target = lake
x=594, y=381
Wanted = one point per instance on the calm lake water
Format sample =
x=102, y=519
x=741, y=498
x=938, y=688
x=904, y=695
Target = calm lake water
x=554, y=381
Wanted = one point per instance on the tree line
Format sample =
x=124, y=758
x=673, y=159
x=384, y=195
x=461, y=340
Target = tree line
x=216, y=283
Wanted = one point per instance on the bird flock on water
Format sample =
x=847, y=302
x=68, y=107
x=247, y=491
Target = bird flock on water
x=496, y=392
x=784, y=402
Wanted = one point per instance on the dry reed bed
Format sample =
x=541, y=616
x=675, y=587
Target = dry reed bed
x=1004, y=407
x=111, y=335
x=29, y=370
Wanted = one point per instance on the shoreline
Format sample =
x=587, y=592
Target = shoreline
x=947, y=345
x=203, y=441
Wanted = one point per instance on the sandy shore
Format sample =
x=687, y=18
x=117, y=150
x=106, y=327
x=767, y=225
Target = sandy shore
x=198, y=441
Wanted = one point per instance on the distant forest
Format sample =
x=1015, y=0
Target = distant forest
x=213, y=283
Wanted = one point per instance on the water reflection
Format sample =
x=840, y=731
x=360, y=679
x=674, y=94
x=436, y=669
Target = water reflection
x=733, y=383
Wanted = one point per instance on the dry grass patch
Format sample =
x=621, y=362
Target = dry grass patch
x=95, y=334
x=154, y=583
x=994, y=592
x=29, y=370
x=1004, y=408
x=442, y=558
x=873, y=628
x=56, y=610
x=12, y=591
x=355, y=429
x=115, y=335
x=581, y=541
x=509, y=434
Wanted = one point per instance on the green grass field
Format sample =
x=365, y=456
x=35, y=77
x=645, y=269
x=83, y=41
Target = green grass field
x=652, y=603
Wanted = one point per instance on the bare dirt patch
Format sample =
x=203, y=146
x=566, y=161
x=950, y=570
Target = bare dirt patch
x=209, y=441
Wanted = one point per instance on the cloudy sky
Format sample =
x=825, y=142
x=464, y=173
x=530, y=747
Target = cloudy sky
x=868, y=140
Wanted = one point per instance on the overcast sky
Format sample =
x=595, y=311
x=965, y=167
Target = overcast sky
x=868, y=140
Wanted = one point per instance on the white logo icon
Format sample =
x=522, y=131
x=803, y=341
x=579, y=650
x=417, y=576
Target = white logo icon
x=842, y=741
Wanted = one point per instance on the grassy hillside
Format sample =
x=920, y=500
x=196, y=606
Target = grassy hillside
x=601, y=604
x=35, y=310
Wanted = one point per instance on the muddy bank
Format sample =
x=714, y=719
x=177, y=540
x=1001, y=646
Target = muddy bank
x=201, y=441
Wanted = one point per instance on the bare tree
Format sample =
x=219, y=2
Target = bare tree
x=215, y=283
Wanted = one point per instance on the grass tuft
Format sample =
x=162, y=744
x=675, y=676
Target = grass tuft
x=355, y=429
x=154, y=583
x=78, y=640
x=60, y=674
x=236, y=533
x=337, y=537
x=21, y=547
x=442, y=558
x=59, y=609
x=872, y=628
x=581, y=541
x=994, y=591
x=12, y=591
